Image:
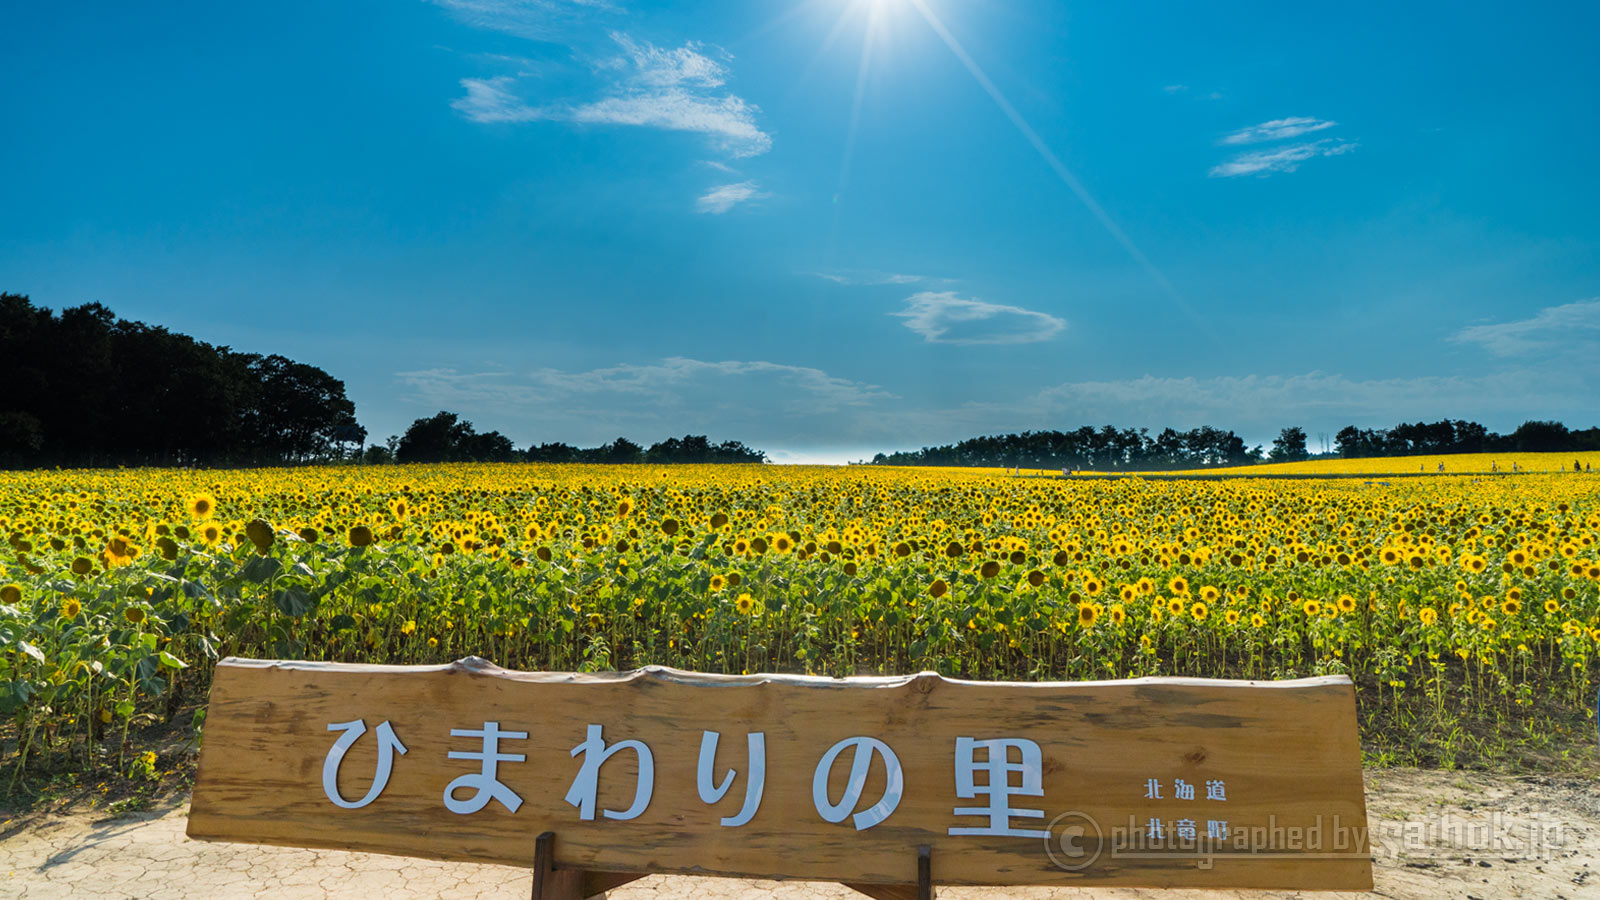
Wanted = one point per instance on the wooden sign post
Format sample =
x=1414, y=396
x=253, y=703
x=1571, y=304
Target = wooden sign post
x=879, y=783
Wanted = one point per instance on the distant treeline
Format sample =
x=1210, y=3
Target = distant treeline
x=1088, y=447
x=1447, y=436
x=85, y=388
x=1110, y=448
x=446, y=437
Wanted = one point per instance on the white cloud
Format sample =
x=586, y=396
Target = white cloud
x=729, y=120
x=538, y=20
x=1176, y=88
x=943, y=318
x=720, y=199
x=858, y=278
x=1554, y=330
x=750, y=400
x=488, y=100
x=1277, y=130
x=1283, y=159
x=674, y=90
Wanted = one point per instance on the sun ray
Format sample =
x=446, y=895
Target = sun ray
x=1060, y=168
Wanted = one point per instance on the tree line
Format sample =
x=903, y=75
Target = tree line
x=86, y=388
x=1456, y=436
x=446, y=437
x=1111, y=448
x=1088, y=447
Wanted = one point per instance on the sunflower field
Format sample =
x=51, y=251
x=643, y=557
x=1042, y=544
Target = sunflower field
x=1467, y=610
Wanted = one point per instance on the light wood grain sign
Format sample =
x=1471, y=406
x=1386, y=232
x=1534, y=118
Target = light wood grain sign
x=1155, y=782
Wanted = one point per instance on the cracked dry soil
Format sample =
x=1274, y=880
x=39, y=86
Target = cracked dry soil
x=1461, y=836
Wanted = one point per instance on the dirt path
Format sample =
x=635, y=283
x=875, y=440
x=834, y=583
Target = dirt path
x=1436, y=835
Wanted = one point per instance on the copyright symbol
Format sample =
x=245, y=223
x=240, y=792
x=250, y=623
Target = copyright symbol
x=1073, y=841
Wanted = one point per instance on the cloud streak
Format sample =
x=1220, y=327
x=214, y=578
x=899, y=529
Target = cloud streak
x=1282, y=159
x=1554, y=330
x=720, y=199
x=668, y=89
x=1277, y=130
x=941, y=317
x=489, y=100
x=752, y=400
x=862, y=278
x=538, y=20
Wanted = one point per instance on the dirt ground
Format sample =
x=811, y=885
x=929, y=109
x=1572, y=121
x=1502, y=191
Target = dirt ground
x=1435, y=835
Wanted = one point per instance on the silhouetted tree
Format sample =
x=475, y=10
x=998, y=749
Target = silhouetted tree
x=1290, y=445
x=87, y=388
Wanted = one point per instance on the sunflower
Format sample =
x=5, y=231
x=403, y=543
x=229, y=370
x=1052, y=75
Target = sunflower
x=1511, y=607
x=1088, y=613
x=1118, y=614
x=118, y=552
x=82, y=565
x=938, y=588
x=989, y=569
x=1232, y=616
x=1175, y=606
x=746, y=604
x=1428, y=615
x=71, y=608
x=1178, y=585
x=360, y=536
x=1311, y=607
x=260, y=534
x=202, y=506
x=210, y=534
x=1347, y=603
x=134, y=614
x=717, y=583
x=1199, y=611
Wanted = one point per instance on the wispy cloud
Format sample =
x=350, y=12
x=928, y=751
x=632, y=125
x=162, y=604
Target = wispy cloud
x=676, y=90
x=1282, y=159
x=757, y=401
x=1277, y=130
x=720, y=199
x=1554, y=330
x=943, y=318
x=859, y=278
x=490, y=100
x=539, y=20
x=652, y=87
x=1176, y=88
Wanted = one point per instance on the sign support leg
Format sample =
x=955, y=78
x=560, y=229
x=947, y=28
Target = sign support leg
x=922, y=890
x=552, y=883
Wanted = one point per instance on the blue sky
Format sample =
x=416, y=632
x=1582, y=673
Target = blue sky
x=831, y=227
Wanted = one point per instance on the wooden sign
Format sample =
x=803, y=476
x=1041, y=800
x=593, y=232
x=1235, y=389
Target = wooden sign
x=1154, y=782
